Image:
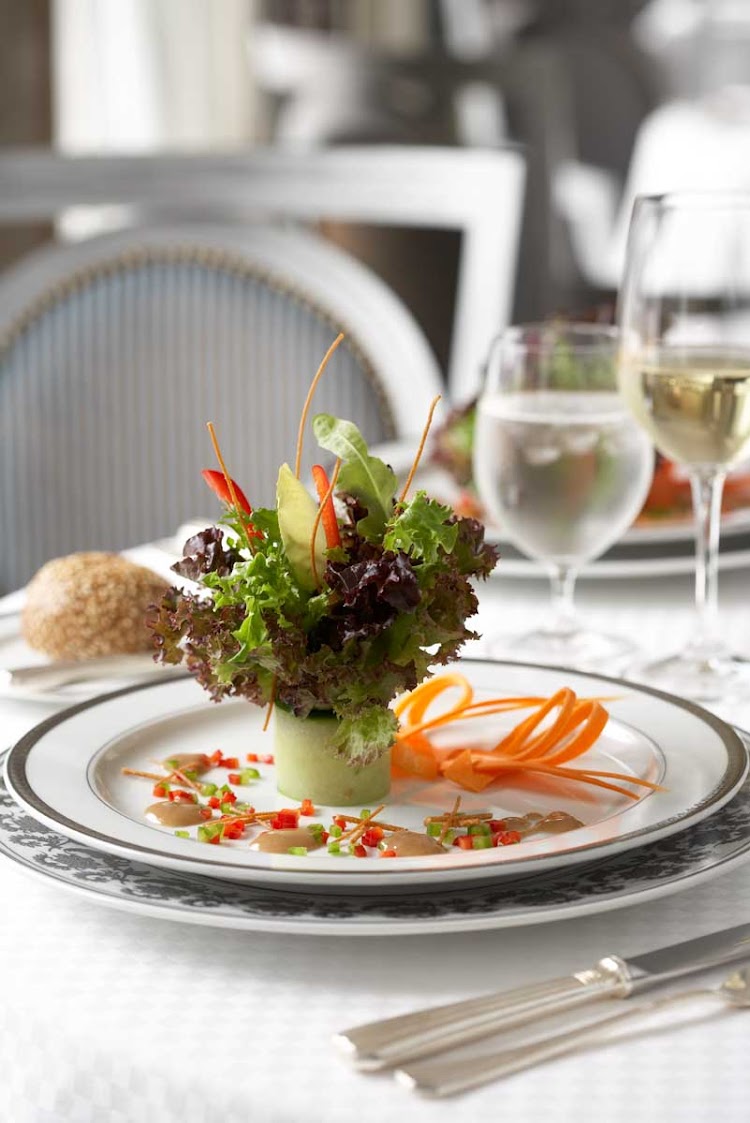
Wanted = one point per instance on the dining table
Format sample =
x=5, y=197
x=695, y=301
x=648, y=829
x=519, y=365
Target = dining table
x=112, y=1015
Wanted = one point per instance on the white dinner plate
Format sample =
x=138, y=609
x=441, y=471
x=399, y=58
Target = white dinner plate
x=714, y=847
x=67, y=772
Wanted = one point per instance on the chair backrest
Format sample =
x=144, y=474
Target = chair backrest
x=114, y=352
x=479, y=193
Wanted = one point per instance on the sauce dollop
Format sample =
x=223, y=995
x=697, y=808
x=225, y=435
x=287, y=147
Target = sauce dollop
x=410, y=844
x=555, y=822
x=175, y=814
x=281, y=841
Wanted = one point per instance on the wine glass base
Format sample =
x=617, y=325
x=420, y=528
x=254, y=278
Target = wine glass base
x=581, y=649
x=703, y=678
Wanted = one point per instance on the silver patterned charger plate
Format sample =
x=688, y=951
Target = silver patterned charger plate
x=713, y=847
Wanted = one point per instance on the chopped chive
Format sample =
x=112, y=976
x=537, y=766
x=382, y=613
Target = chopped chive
x=298, y=851
x=182, y=834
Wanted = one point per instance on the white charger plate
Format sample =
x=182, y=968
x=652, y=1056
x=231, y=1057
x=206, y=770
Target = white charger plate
x=67, y=774
x=714, y=847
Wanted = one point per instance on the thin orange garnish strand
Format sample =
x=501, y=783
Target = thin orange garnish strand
x=248, y=526
x=271, y=703
x=574, y=726
x=319, y=516
x=308, y=402
x=420, y=450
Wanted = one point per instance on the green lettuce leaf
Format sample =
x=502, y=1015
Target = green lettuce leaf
x=422, y=529
x=365, y=477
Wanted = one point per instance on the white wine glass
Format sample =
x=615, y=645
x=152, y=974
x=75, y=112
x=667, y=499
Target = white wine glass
x=563, y=470
x=684, y=370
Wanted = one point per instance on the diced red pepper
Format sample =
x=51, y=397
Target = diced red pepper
x=340, y=821
x=496, y=825
x=215, y=759
x=159, y=791
x=206, y=813
x=267, y=759
x=464, y=842
x=214, y=802
x=218, y=484
x=229, y=762
x=179, y=795
x=324, y=837
x=388, y=854
x=359, y=851
x=234, y=778
x=228, y=797
x=252, y=758
x=284, y=819
x=306, y=808
x=372, y=836
x=214, y=840
x=506, y=838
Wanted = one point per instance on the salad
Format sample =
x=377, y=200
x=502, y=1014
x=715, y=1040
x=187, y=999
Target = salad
x=326, y=608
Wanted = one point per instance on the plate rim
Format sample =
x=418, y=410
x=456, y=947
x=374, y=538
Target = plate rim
x=20, y=789
x=384, y=926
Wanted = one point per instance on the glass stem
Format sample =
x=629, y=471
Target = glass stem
x=707, y=487
x=562, y=581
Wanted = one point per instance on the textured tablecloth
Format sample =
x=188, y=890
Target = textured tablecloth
x=107, y=1017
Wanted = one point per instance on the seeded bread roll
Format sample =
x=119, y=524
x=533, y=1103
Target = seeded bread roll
x=85, y=605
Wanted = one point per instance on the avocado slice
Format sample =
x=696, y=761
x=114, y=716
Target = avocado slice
x=297, y=511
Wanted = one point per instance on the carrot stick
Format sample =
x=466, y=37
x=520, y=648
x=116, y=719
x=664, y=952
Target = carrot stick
x=308, y=402
x=318, y=516
x=420, y=450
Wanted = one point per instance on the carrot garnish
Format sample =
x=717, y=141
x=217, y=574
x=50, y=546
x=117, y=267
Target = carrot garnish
x=420, y=450
x=238, y=501
x=559, y=729
x=308, y=402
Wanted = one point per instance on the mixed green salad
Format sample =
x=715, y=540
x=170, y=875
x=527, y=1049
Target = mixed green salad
x=333, y=605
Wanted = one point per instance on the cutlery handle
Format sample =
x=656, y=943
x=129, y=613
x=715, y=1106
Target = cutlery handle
x=54, y=675
x=438, y=1077
x=386, y=1043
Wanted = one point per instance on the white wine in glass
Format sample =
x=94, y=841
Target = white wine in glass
x=562, y=468
x=684, y=370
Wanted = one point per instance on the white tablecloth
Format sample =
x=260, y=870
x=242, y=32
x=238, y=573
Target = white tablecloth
x=107, y=1017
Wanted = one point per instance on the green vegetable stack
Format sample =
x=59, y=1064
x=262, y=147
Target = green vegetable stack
x=326, y=608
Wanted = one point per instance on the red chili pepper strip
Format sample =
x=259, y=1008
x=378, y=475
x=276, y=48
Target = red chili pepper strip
x=219, y=487
x=328, y=516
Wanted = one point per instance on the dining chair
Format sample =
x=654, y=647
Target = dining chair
x=116, y=350
x=478, y=192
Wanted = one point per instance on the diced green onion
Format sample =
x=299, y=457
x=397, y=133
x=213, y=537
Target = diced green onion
x=247, y=775
x=334, y=848
x=316, y=829
x=450, y=836
x=298, y=851
x=171, y=763
x=207, y=831
x=365, y=813
x=434, y=829
x=479, y=828
x=335, y=831
x=227, y=808
x=481, y=842
x=208, y=789
x=190, y=773
x=225, y=788
x=182, y=834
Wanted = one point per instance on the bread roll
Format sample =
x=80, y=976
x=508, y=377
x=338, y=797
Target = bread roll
x=89, y=604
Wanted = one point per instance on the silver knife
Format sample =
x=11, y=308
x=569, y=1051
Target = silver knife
x=51, y=676
x=385, y=1043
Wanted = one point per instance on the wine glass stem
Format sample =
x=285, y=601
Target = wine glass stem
x=707, y=487
x=562, y=581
